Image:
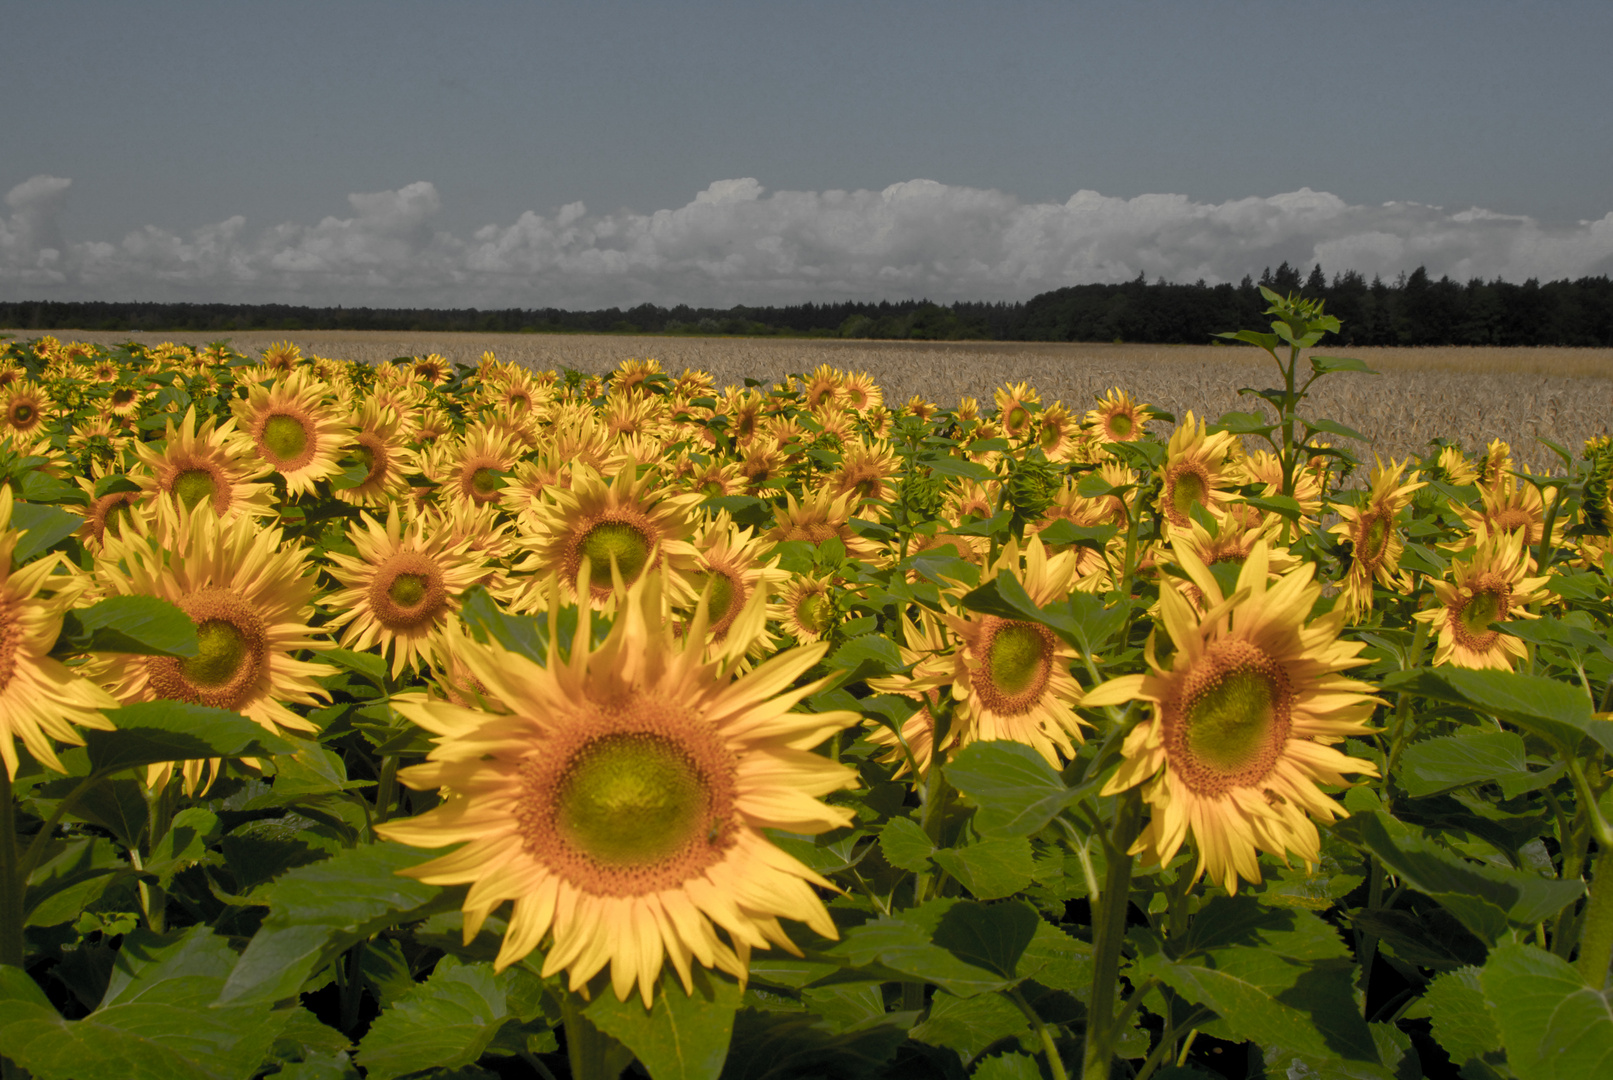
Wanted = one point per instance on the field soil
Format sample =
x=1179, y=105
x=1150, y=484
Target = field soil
x=1470, y=395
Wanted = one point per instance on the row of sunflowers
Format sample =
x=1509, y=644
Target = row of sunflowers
x=412, y=720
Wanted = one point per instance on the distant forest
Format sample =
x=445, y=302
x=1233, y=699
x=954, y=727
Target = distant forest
x=1414, y=310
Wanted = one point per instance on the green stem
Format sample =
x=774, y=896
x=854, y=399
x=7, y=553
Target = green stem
x=1596, y=934
x=386, y=791
x=593, y=1054
x=12, y=880
x=1108, y=935
x=1050, y=1049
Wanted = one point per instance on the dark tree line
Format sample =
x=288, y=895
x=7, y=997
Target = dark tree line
x=1414, y=310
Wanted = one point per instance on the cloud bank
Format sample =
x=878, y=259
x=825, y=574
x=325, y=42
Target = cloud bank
x=737, y=243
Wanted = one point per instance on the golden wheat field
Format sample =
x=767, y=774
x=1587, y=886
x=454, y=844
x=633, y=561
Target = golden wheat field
x=1471, y=395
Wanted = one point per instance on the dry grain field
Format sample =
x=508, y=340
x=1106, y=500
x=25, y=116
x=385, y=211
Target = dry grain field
x=1470, y=395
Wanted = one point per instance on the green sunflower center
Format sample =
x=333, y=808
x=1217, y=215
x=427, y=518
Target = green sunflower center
x=1120, y=425
x=631, y=800
x=1017, y=417
x=1376, y=539
x=1051, y=436
x=365, y=455
x=1016, y=656
x=1480, y=612
x=223, y=648
x=285, y=436
x=407, y=590
x=721, y=596
x=486, y=480
x=813, y=613
x=1188, y=489
x=194, y=485
x=1230, y=724
x=21, y=413
x=619, y=541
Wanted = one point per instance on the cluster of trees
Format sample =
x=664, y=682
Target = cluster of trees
x=1413, y=310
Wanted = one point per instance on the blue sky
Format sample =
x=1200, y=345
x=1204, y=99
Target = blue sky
x=531, y=154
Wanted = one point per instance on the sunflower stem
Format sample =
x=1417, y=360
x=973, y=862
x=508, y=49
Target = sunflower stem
x=1055, y=1063
x=386, y=792
x=1108, y=935
x=12, y=879
x=1596, y=935
x=593, y=1055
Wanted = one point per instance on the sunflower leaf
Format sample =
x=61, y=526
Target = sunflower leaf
x=1556, y=710
x=1554, y=1025
x=992, y=868
x=42, y=527
x=445, y=1022
x=682, y=1036
x=1443, y=764
x=1016, y=791
x=145, y=625
x=151, y=731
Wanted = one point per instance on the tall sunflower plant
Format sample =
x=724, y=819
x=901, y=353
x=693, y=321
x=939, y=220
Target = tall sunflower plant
x=431, y=720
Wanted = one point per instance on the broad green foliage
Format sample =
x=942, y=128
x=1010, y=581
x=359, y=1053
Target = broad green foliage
x=201, y=890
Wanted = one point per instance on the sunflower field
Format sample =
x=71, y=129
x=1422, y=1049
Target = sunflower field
x=413, y=720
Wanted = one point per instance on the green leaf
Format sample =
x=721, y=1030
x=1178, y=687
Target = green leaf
x=1011, y=1067
x=1322, y=365
x=1333, y=427
x=73, y=878
x=989, y=936
x=970, y=1025
x=42, y=527
x=747, y=511
x=1015, y=790
x=906, y=944
x=683, y=1036
x=1063, y=532
x=1553, y=1025
x=960, y=467
x=992, y=868
x=1443, y=764
x=157, y=1021
x=1094, y=486
x=184, y=844
x=1549, y=631
x=318, y=911
x=369, y=665
x=1273, y=1000
x=781, y=1046
x=152, y=731
x=1291, y=933
x=1433, y=939
x=904, y=845
x=1243, y=423
x=1552, y=709
x=129, y=624
x=1482, y=896
x=445, y=1022
x=1057, y=960
x=989, y=527
x=522, y=634
x=869, y=655
x=1462, y=1023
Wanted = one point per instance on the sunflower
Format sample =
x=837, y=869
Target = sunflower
x=1596, y=493
x=124, y=401
x=105, y=514
x=295, y=429
x=1489, y=584
x=728, y=568
x=806, y=609
x=472, y=469
x=1196, y=471
x=281, y=357
x=23, y=409
x=1010, y=678
x=860, y=392
x=869, y=471
x=715, y=477
x=1452, y=467
x=1510, y=504
x=1057, y=432
x=250, y=596
x=399, y=589
x=693, y=383
x=918, y=407
x=1266, y=468
x=624, y=526
x=819, y=517
x=1242, y=722
x=1497, y=464
x=631, y=375
x=822, y=387
x=1016, y=402
x=1119, y=417
x=1375, y=546
x=208, y=464
x=433, y=369
x=40, y=699
x=522, y=494
x=380, y=442
x=621, y=803
x=1231, y=537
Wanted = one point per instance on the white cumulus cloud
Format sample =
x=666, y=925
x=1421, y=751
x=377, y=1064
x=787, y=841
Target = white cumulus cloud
x=736, y=242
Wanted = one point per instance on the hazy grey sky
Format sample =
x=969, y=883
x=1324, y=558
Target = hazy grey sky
x=533, y=154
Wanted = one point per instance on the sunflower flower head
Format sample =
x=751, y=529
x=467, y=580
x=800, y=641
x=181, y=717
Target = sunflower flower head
x=620, y=801
x=1242, y=721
